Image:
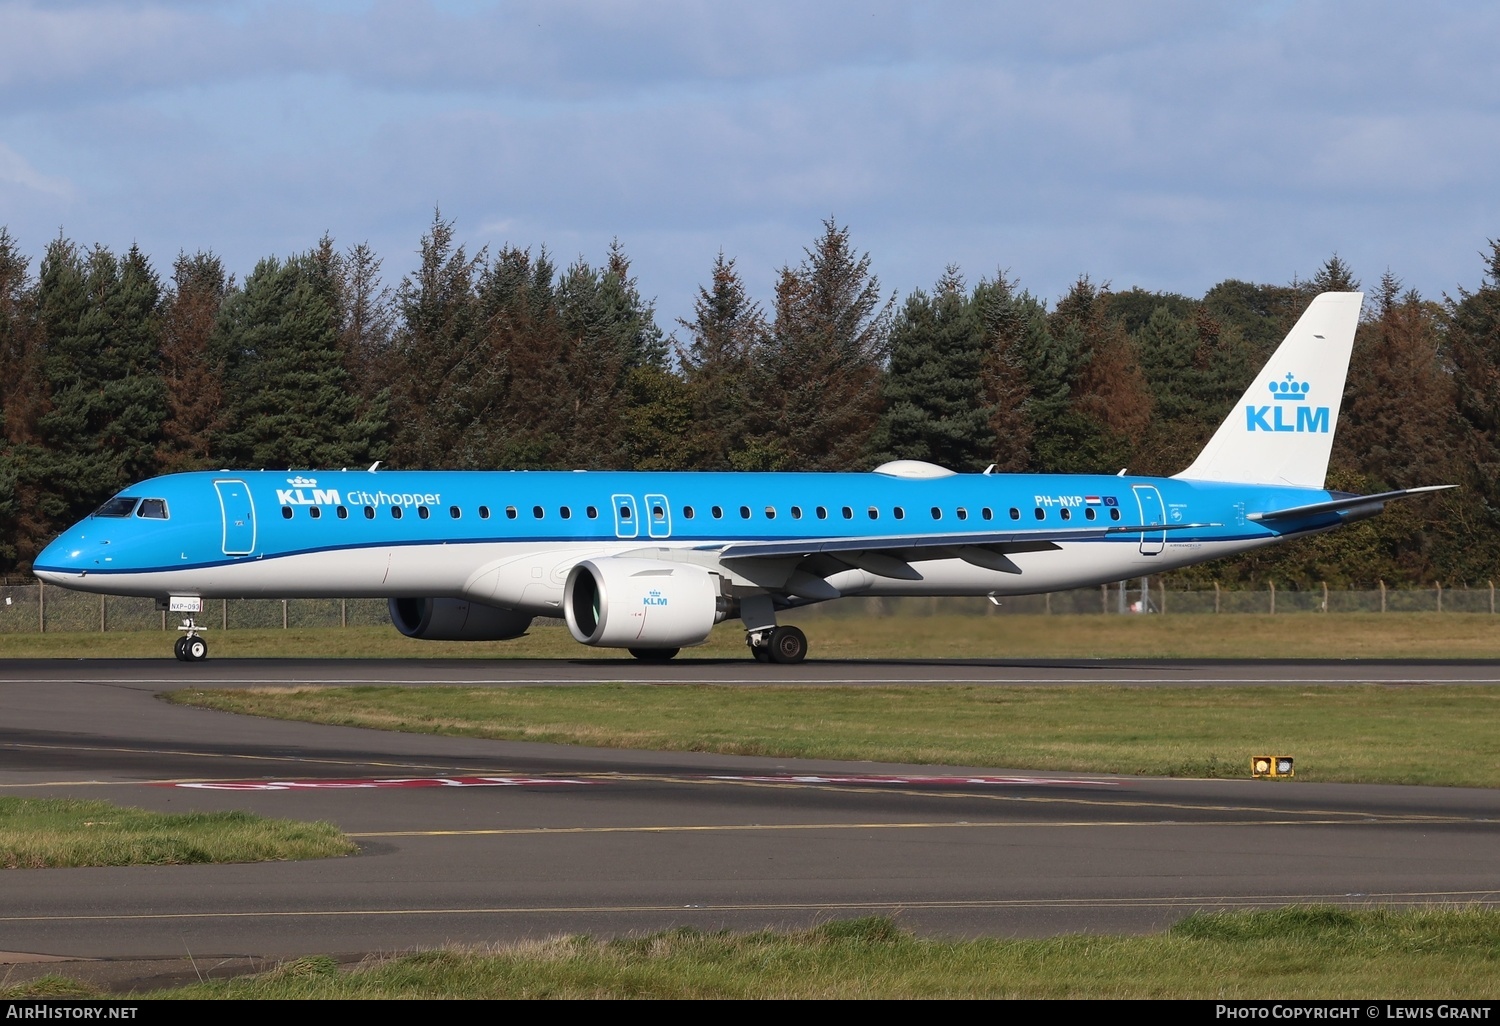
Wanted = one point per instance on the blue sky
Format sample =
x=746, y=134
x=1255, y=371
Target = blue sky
x=1167, y=145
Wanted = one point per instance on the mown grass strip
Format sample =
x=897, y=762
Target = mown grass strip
x=40, y=833
x=1306, y=952
x=1356, y=733
x=1009, y=636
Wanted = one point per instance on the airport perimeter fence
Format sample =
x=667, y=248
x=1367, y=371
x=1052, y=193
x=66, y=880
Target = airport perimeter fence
x=35, y=608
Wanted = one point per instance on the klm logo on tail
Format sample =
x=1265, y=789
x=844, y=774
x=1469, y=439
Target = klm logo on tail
x=1278, y=416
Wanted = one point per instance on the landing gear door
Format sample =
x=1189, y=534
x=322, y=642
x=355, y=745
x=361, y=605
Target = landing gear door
x=239, y=517
x=1152, y=512
x=627, y=524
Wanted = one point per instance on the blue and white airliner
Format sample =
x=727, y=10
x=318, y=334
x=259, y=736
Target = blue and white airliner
x=650, y=561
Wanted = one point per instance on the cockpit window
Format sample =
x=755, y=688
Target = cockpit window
x=153, y=509
x=119, y=506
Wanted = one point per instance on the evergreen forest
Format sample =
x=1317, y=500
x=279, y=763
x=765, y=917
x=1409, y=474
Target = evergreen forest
x=112, y=370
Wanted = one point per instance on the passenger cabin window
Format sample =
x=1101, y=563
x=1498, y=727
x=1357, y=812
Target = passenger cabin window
x=1067, y=514
x=796, y=512
x=1041, y=514
x=987, y=513
x=718, y=512
x=744, y=512
x=369, y=512
x=1114, y=513
x=900, y=513
x=314, y=512
x=963, y=514
x=822, y=512
x=454, y=512
x=1089, y=513
x=510, y=512
x=848, y=513
x=658, y=512
x=286, y=512
x=423, y=512
x=537, y=512
x=687, y=512
x=484, y=512
x=395, y=512
x=1015, y=514
x=874, y=513
x=937, y=514
x=343, y=512
x=567, y=512
x=153, y=509
x=624, y=512
x=592, y=512
x=770, y=512
x=119, y=506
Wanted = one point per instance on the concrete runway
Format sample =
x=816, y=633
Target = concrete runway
x=477, y=842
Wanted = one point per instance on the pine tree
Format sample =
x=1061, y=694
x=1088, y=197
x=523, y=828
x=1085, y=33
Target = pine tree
x=726, y=329
x=1396, y=430
x=815, y=397
x=933, y=392
x=429, y=363
x=191, y=373
x=1093, y=403
x=1015, y=330
x=1474, y=348
x=18, y=387
x=1195, y=368
x=1334, y=276
x=105, y=401
x=288, y=394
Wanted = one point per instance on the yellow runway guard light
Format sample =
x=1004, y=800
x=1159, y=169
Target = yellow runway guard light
x=1271, y=766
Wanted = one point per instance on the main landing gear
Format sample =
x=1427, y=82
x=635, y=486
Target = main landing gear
x=191, y=647
x=777, y=645
x=768, y=642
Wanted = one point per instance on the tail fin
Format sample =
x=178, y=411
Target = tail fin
x=1281, y=431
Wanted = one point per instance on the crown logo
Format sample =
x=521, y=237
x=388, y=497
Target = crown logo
x=1289, y=389
x=302, y=482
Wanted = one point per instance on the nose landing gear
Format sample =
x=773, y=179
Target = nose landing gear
x=191, y=647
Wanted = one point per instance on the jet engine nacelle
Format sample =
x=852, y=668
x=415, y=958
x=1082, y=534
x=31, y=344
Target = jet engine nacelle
x=452, y=619
x=620, y=602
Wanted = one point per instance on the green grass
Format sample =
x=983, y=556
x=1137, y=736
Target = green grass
x=1306, y=952
x=1010, y=636
x=1357, y=733
x=44, y=833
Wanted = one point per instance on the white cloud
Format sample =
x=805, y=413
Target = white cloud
x=14, y=170
x=1167, y=144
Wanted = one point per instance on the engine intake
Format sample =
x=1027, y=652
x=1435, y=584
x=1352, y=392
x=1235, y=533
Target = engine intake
x=621, y=602
x=452, y=619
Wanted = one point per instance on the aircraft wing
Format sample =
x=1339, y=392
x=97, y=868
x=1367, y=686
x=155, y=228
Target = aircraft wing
x=799, y=565
x=1365, y=504
x=931, y=544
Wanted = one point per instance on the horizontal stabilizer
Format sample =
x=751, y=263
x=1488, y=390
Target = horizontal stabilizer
x=1346, y=504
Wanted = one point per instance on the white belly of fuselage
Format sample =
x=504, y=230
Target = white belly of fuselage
x=525, y=577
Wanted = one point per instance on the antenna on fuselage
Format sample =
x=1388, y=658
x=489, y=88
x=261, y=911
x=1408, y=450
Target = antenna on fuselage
x=374, y=465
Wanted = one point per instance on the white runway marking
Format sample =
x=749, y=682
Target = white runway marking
x=479, y=682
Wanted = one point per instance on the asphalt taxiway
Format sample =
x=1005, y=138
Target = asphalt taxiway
x=475, y=842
